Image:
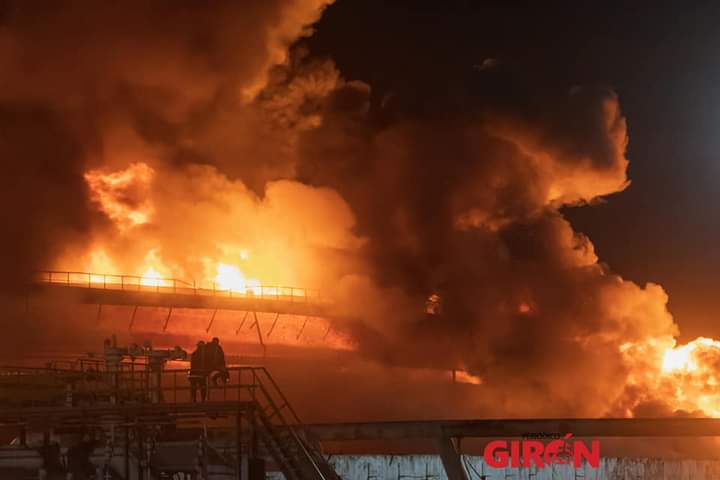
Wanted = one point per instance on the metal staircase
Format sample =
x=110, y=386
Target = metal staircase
x=283, y=436
x=272, y=430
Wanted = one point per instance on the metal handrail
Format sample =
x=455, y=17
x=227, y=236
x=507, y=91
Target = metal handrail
x=309, y=453
x=108, y=281
x=136, y=385
x=292, y=428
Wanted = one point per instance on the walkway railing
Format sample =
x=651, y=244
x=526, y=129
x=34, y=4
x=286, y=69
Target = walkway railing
x=133, y=382
x=138, y=283
x=110, y=390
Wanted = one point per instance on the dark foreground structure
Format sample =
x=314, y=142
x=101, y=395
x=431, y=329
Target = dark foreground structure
x=126, y=416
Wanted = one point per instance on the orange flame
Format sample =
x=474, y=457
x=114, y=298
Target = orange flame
x=229, y=277
x=693, y=373
x=684, y=376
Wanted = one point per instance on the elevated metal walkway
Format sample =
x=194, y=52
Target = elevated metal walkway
x=104, y=289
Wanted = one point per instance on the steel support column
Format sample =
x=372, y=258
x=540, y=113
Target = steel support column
x=132, y=317
x=260, y=337
x=212, y=319
x=302, y=328
x=242, y=322
x=451, y=459
x=277, y=317
x=167, y=319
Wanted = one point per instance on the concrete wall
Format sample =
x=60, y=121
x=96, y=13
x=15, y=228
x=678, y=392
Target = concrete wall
x=429, y=467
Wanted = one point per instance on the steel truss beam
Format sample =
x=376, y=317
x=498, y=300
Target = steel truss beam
x=498, y=428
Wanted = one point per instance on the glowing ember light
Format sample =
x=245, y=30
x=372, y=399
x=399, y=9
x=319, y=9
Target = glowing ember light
x=686, y=356
x=114, y=193
x=679, y=359
x=99, y=261
x=686, y=376
x=523, y=308
x=462, y=376
x=229, y=277
x=153, y=278
x=433, y=304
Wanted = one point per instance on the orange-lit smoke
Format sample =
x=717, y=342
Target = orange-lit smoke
x=238, y=242
x=197, y=226
x=114, y=194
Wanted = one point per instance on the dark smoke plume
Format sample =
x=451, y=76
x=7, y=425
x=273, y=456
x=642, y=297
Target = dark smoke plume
x=465, y=202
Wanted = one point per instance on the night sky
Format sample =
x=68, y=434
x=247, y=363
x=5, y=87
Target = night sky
x=664, y=63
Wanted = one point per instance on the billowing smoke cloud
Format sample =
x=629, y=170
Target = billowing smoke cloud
x=194, y=141
x=466, y=203
x=94, y=84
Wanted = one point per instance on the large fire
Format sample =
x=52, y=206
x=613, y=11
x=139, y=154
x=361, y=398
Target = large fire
x=693, y=371
x=684, y=375
x=117, y=255
x=229, y=277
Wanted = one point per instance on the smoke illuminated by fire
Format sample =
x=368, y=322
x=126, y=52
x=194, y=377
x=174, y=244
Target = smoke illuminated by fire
x=229, y=277
x=684, y=374
x=216, y=155
x=693, y=370
x=203, y=230
x=112, y=191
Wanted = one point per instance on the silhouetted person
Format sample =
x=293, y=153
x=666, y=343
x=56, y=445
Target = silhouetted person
x=199, y=372
x=78, y=459
x=52, y=466
x=216, y=360
x=215, y=355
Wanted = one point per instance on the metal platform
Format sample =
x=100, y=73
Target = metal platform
x=142, y=418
